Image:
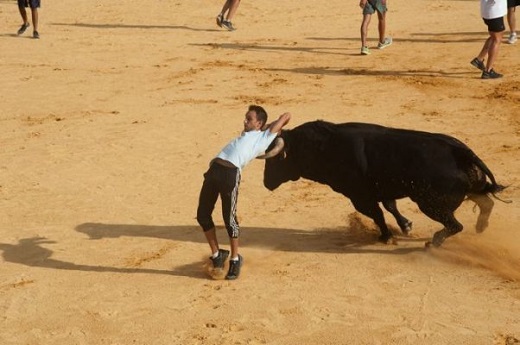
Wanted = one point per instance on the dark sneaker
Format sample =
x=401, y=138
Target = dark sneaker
x=234, y=268
x=220, y=19
x=491, y=75
x=228, y=25
x=22, y=29
x=36, y=34
x=218, y=262
x=478, y=64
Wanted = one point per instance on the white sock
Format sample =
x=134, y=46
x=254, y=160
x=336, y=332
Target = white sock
x=234, y=259
x=214, y=255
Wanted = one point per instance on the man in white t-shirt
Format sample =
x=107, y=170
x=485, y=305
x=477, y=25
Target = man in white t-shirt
x=492, y=12
x=223, y=178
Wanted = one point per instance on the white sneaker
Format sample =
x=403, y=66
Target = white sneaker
x=512, y=38
x=386, y=42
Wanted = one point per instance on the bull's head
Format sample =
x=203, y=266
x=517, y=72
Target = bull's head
x=279, y=167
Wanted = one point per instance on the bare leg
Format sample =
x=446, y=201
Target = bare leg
x=364, y=29
x=23, y=13
x=211, y=237
x=483, y=53
x=494, y=44
x=234, y=247
x=34, y=14
x=225, y=7
x=381, y=26
x=511, y=19
x=232, y=9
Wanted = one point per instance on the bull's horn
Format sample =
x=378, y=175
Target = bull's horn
x=278, y=147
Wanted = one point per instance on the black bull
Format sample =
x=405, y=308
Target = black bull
x=370, y=164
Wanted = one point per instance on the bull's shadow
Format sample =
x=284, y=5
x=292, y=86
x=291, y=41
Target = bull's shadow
x=353, y=239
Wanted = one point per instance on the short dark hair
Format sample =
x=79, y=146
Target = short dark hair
x=261, y=114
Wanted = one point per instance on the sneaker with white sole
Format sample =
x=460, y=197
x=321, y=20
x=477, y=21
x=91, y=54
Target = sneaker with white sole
x=219, y=261
x=365, y=51
x=234, y=268
x=228, y=25
x=386, y=42
x=512, y=38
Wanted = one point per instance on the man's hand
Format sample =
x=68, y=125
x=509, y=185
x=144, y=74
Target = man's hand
x=276, y=126
x=362, y=3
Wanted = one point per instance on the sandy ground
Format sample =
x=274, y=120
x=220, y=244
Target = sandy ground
x=108, y=122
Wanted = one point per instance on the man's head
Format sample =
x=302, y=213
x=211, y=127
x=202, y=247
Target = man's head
x=255, y=119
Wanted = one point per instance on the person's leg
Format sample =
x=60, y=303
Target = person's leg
x=364, y=29
x=511, y=19
x=381, y=26
x=494, y=44
x=232, y=9
x=234, y=247
x=34, y=14
x=207, y=199
x=485, y=48
x=225, y=7
x=23, y=13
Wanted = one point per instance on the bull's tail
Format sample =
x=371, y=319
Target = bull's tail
x=487, y=187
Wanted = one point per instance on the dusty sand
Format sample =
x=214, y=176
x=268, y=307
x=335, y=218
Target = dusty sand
x=108, y=122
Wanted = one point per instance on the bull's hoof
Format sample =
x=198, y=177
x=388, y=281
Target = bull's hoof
x=407, y=228
x=437, y=240
x=481, y=226
x=387, y=239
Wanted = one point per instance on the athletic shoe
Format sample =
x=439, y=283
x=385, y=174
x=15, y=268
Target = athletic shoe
x=491, y=75
x=512, y=38
x=220, y=19
x=365, y=51
x=22, y=29
x=218, y=262
x=36, y=34
x=385, y=43
x=478, y=64
x=228, y=25
x=234, y=268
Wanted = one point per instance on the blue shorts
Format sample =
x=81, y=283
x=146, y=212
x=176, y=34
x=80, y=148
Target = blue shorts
x=29, y=3
x=374, y=5
x=495, y=25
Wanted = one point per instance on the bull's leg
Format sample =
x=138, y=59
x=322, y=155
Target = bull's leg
x=485, y=205
x=404, y=224
x=443, y=215
x=371, y=209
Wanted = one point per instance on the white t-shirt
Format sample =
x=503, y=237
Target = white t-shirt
x=491, y=9
x=246, y=147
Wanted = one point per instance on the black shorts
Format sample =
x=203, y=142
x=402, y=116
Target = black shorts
x=513, y=3
x=29, y=3
x=495, y=25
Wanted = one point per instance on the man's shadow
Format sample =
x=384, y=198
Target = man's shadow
x=347, y=240
x=30, y=252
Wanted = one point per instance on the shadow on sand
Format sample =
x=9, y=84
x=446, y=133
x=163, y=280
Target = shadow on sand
x=32, y=252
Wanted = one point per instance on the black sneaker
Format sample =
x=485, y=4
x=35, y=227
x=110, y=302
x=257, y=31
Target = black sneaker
x=228, y=25
x=220, y=19
x=234, y=268
x=491, y=75
x=22, y=29
x=36, y=34
x=218, y=262
x=478, y=64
